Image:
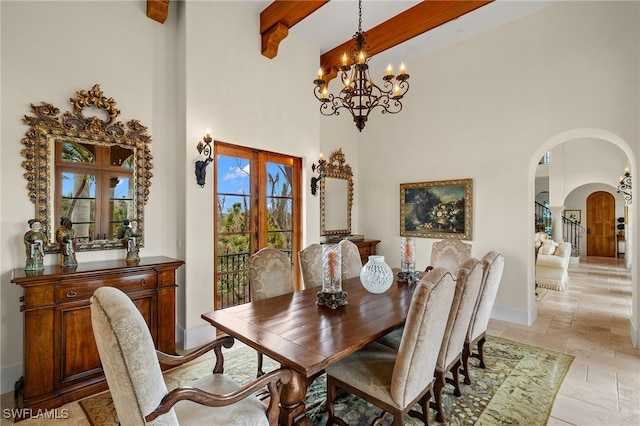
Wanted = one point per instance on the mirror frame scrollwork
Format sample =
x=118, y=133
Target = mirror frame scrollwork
x=337, y=168
x=46, y=127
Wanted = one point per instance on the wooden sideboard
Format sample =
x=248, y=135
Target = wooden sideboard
x=61, y=362
x=367, y=248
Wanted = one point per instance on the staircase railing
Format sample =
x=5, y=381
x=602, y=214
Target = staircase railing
x=543, y=219
x=572, y=231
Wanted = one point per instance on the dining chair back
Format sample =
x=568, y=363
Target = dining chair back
x=468, y=281
x=310, y=259
x=351, y=263
x=492, y=268
x=269, y=276
x=393, y=380
x=449, y=254
x=138, y=390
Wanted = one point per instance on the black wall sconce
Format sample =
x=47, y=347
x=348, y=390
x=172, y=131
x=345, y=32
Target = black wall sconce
x=315, y=180
x=625, y=186
x=204, y=148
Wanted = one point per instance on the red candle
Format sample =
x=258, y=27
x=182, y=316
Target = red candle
x=333, y=265
x=408, y=252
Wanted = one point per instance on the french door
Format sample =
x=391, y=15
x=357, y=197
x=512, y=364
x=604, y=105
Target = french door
x=257, y=195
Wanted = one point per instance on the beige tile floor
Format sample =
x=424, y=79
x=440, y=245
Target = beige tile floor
x=590, y=320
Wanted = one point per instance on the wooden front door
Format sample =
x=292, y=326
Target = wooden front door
x=601, y=224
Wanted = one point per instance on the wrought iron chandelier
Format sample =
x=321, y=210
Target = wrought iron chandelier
x=359, y=95
x=625, y=186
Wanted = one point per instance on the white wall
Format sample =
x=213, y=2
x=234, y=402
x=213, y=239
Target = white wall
x=340, y=132
x=50, y=50
x=246, y=99
x=488, y=108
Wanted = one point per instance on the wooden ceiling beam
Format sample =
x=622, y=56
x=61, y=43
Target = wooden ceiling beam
x=278, y=17
x=158, y=10
x=417, y=20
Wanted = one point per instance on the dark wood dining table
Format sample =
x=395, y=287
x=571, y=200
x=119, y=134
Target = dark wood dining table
x=307, y=338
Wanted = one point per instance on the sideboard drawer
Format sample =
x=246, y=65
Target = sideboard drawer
x=84, y=290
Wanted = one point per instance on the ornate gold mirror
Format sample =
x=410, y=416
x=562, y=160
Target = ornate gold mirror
x=336, y=196
x=87, y=167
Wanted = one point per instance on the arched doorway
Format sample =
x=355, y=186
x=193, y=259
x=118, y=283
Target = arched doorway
x=601, y=224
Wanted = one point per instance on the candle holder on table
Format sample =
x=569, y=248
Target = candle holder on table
x=408, y=273
x=331, y=295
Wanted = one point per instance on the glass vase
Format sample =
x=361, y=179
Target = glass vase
x=408, y=254
x=376, y=276
x=331, y=268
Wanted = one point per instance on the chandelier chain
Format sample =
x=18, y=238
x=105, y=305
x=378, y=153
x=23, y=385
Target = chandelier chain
x=359, y=95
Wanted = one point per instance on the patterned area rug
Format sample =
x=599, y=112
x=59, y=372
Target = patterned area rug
x=518, y=387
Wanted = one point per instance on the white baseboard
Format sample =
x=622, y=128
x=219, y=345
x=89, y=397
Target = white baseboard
x=516, y=316
x=9, y=376
x=197, y=336
x=635, y=335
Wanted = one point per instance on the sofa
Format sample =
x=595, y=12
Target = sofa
x=552, y=264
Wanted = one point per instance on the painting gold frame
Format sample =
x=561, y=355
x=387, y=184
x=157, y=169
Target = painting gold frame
x=440, y=209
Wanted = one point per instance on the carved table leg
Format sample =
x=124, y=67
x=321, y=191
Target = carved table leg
x=292, y=408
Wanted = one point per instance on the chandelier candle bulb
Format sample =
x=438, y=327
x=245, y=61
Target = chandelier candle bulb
x=359, y=94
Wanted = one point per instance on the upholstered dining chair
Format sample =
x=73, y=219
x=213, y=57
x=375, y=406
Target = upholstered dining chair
x=492, y=268
x=391, y=379
x=310, y=259
x=269, y=276
x=449, y=254
x=132, y=368
x=351, y=262
x=468, y=281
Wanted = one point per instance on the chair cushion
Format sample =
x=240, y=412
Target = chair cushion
x=370, y=370
x=392, y=339
x=249, y=411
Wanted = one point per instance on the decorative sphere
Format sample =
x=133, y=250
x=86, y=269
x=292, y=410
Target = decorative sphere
x=376, y=276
